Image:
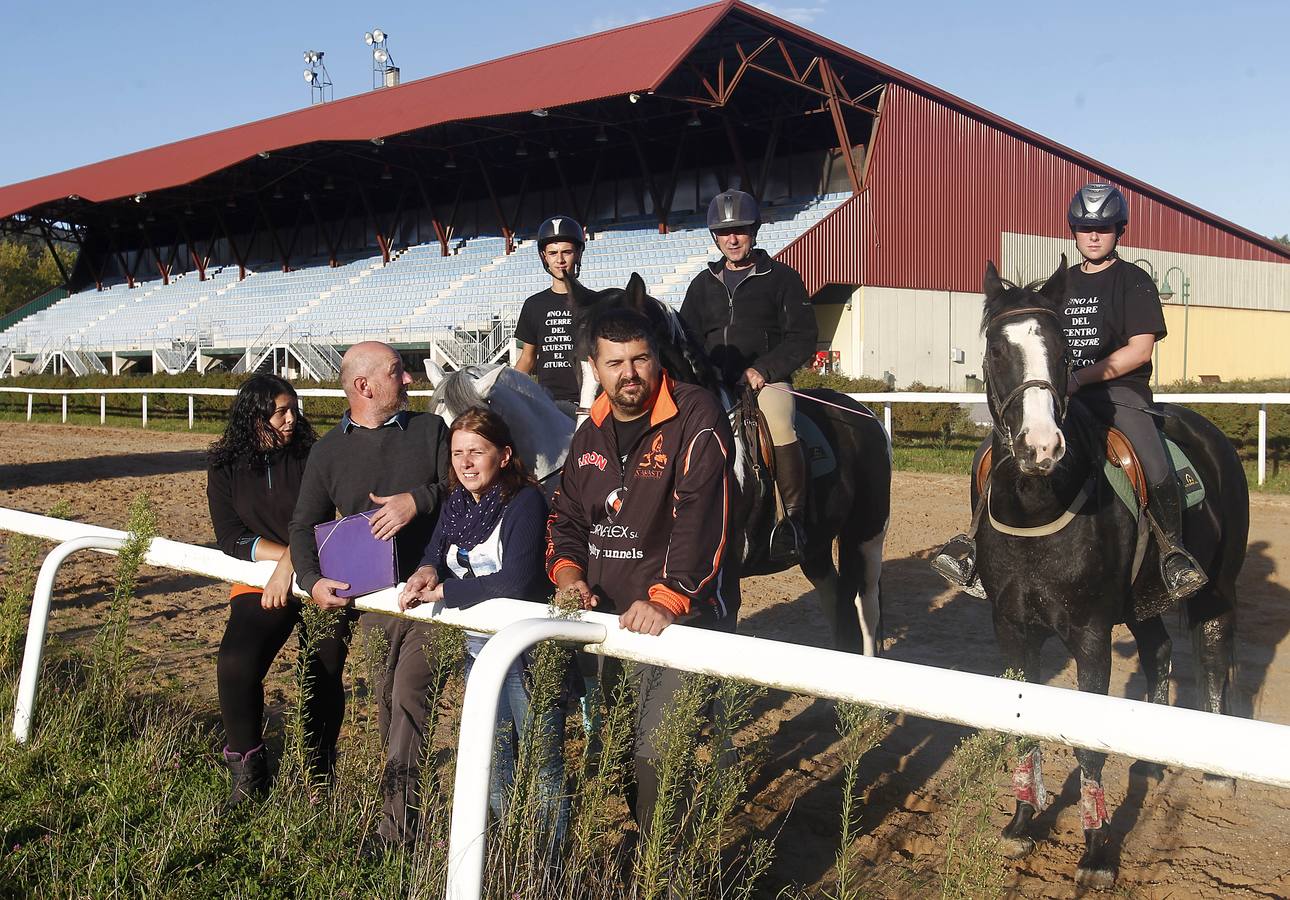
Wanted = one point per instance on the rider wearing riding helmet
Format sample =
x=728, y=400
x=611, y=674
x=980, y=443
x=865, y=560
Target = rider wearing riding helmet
x=545, y=325
x=755, y=320
x=1112, y=319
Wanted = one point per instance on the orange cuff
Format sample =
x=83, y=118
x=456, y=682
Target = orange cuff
x=561, y=564
x=676, y=604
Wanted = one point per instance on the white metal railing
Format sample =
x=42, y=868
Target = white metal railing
x=887, y=400
x=1169, y=735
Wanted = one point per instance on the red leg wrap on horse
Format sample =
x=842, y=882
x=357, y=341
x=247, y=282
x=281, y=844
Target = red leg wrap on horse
x=1092, y=803
x=1028, y=781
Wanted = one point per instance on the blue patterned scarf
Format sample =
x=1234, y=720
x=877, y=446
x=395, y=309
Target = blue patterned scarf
x=465, y=522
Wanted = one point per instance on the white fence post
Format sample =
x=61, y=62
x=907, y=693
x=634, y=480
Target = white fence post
x=64, y=407
x=1263, y=442
x=145, y=411
x=29, y=396
x=37, y=624
x=886, y=423
x=190, y=412
x=469, y=824
x=102, y=408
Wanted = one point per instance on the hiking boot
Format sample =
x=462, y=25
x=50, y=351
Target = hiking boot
x=956, y=563
x=250, y=771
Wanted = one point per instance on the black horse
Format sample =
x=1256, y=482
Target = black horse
x=851, y=505
x=1078, y=579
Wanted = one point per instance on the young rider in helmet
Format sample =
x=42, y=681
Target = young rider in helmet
x=756, y=322
x=1112, y=318
x=545, y=326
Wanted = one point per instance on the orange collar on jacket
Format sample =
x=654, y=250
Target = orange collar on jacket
x=662, y=406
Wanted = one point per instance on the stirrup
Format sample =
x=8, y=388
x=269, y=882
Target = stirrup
x=778, y=552
x=1181, y=573
x=956, y=563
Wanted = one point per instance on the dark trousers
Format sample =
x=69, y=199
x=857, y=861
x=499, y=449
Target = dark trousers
x=1126, y=408
x=656, y=688
x=252, y=639
x=403, y=690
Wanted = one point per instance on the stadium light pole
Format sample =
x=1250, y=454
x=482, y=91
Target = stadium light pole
x=384, y=72
x=317, y=78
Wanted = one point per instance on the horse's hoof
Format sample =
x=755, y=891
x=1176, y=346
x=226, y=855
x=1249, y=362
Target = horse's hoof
x=1219, y=784
x=1149, y=770
x=1016, y=847
x=1095, y=879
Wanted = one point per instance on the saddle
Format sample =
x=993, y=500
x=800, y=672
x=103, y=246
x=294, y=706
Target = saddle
x=1119, y=455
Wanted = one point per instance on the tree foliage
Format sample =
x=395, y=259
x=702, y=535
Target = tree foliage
x=28, y=270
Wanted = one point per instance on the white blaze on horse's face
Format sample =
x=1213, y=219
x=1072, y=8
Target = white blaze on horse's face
x=1039, y=445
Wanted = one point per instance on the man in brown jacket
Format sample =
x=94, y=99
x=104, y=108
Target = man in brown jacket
x=642, y=523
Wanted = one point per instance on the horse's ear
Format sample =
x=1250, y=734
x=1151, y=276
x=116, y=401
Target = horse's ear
x=1054, y=289
x=578, y=294
x=433, y=372
x=993, y=284
x=637, y=295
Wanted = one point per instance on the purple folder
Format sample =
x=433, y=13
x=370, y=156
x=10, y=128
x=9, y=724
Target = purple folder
x=347, y=552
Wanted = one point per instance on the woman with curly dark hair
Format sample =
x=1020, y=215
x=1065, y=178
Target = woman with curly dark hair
x=254, y=475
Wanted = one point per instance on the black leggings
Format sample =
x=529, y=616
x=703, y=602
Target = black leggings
x=252, y=639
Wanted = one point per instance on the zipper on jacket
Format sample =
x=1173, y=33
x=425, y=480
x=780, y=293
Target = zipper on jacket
x=730, y=297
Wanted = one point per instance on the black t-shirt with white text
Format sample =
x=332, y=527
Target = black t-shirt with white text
x=1103, y=310
x=546, y=321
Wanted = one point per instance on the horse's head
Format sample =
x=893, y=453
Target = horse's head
x=1026, y=367
x=681, y=353
x=456, y=392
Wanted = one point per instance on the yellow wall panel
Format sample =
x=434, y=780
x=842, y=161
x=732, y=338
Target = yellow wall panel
x=1229, y=343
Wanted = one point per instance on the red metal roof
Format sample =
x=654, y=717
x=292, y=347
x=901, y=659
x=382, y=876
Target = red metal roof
x=636, y=57
x=632, y=58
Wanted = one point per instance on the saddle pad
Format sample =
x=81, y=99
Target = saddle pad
x=819, y=455
x=1189, y=479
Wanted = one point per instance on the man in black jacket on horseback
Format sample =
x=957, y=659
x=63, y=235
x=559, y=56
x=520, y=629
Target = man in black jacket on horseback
x=755, y=320
x=1112, y=318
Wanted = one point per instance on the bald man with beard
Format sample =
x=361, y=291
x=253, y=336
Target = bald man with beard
x=380, y=456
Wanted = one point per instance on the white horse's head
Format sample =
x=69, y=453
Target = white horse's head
x=541, y=429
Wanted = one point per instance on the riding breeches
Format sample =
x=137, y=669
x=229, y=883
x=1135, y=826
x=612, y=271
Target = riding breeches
x=1125, y=408
x=778, y=408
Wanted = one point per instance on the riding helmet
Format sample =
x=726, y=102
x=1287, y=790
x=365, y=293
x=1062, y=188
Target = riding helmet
x=1098, y=205
x=561, y=228
x=733, y=209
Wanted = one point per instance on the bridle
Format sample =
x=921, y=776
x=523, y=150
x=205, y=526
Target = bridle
x=998, y=409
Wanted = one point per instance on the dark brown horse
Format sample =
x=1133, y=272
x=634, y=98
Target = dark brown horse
x=849, y=507
x=1079, y=580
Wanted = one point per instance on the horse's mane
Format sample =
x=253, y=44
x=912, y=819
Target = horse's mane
x=1012, y=296
x=456, y=392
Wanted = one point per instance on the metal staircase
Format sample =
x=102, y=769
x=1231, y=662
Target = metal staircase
x=6, y=355
x=318, y=360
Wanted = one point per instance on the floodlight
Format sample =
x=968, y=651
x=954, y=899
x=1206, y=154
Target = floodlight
x=695, y=121
x=541, y=113
x=385, y=174
x=138, y=198
x=521, y=150
x=552, y=153
x=309, y=56
x=634, y=98
x=328, y=184
x=451, y=163
x=309, y=75
x=601, y=137
x=368, y=38
x=378, y=35
x=380, y=56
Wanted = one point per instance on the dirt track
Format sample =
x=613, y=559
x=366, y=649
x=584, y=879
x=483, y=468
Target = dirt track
x=1185, y=840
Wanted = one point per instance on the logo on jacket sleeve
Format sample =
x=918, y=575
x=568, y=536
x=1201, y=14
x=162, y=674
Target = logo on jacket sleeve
x=592, y=459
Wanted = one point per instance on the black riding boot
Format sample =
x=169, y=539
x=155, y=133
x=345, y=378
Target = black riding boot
x=788, y=539
x=250, y=772
x=1180, y=571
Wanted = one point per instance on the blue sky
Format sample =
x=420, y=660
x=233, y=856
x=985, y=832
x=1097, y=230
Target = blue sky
x=1193, y=97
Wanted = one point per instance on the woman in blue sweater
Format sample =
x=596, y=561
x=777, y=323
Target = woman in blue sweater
x=490, y=542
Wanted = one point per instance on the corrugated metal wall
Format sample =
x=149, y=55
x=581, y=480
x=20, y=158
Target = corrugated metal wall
x=1214, y=280
x=831, y=252
x=942, y=186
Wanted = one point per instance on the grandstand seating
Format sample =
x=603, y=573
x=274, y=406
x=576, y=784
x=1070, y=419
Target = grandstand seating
x=419, y=296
